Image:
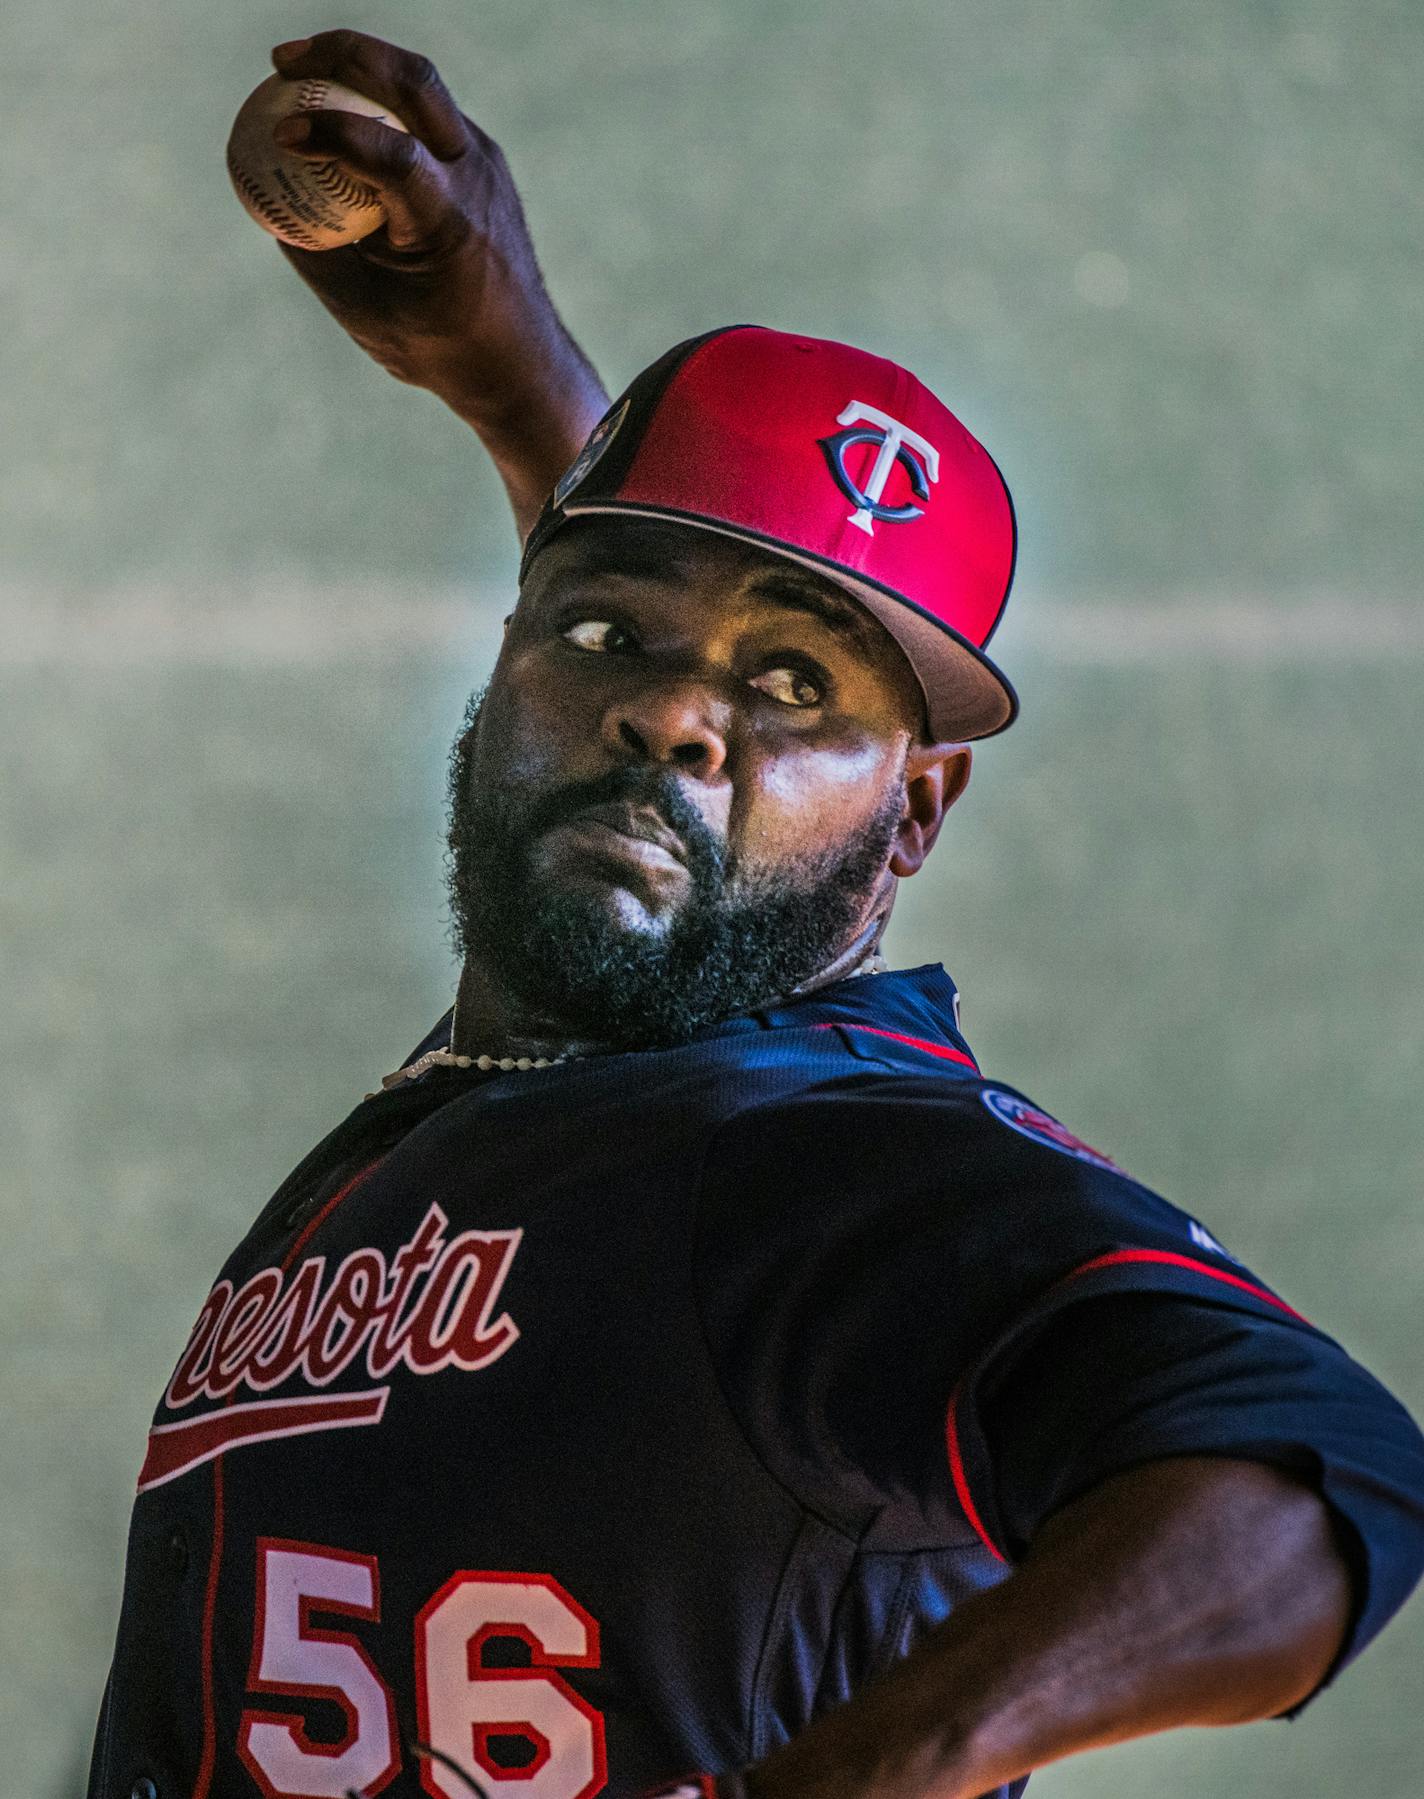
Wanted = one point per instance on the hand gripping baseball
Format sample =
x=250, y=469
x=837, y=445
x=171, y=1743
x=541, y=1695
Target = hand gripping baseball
x=447, y=294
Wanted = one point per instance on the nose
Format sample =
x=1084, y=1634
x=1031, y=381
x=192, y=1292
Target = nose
x=678, y=722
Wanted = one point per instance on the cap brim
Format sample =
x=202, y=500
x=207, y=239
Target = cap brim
x=966, y=696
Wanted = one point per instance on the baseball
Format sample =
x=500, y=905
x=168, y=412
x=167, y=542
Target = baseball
x=314, y=205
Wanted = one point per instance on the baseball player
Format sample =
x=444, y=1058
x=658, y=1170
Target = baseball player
x=689, y=1369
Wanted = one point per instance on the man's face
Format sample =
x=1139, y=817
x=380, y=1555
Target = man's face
x=680, y=791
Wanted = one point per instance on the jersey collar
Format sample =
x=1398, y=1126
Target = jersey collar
x=921, y=1002
x=918, y=1006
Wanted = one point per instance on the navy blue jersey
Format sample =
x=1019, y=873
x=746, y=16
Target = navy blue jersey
x=606, y=1421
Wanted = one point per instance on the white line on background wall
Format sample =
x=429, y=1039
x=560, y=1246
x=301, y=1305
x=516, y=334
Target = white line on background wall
x=286, y=626
x=1178, y=628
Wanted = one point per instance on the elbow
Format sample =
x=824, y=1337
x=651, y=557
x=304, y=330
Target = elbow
x=1291, y=1626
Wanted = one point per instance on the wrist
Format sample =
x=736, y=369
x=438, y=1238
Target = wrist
x=515, y=375
x=532, y=423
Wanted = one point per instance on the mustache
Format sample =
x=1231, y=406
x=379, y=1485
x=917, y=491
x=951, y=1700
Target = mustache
x=657, y=789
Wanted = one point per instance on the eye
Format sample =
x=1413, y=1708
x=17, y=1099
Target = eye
x=791, y=686
x=600, y=635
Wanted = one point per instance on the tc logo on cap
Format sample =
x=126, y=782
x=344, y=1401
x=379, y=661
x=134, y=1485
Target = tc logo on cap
x=898, y=443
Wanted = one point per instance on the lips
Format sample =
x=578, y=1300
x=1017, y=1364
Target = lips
x=637, y=822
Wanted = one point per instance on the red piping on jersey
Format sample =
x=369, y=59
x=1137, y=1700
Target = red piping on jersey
x=961, y=1480
x=1172, y=1260
x=945, y=1050
x=210, y=1602
x=1115, y=1259
x=210, y=1598
x=315, y=1223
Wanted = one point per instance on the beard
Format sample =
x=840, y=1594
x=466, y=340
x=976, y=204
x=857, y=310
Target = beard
x=734, y=942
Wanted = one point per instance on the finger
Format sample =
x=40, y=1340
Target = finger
x=406, y=178
x=408, y=83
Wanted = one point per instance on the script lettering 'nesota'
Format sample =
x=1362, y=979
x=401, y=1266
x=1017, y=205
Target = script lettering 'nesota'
x=428, y=1308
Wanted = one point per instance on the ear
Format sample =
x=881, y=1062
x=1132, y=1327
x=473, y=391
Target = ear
x=935, y=776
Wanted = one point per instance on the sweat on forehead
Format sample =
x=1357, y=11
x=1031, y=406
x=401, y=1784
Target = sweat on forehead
x=639, y=549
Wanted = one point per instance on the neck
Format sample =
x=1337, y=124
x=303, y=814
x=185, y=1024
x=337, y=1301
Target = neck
x=854, y=959
x=487, y=1022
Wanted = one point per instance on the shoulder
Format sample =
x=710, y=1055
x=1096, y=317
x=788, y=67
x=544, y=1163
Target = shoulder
x=918, y=1128
x=901, y=1161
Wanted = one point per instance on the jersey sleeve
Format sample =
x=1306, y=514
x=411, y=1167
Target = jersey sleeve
x=1135, y=1377
x=898, y=1275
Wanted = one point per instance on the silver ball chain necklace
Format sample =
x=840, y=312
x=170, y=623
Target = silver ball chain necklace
x=874, y=963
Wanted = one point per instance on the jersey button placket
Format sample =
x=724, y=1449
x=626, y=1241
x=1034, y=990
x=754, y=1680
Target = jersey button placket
x=143, y=1788
x=177, y=1552
x=299, y=1213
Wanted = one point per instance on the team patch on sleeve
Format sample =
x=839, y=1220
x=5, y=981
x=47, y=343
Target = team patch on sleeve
x=599, y=439
x=1039, y=1127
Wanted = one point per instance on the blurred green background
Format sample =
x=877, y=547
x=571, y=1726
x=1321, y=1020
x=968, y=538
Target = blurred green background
x=1164, y=260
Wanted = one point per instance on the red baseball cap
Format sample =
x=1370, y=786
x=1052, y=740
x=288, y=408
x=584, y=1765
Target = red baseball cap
x=839, y=461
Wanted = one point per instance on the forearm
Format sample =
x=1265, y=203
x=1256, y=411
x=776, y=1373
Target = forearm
x=532, y=397
x=1188, y=1591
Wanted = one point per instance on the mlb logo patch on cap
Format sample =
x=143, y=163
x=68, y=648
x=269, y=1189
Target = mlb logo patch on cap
x=843, y=463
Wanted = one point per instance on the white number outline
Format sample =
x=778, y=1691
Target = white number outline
x=506, y=1623
x=292, y=1723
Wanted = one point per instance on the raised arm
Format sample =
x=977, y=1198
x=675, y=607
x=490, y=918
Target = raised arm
x=448, y=295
